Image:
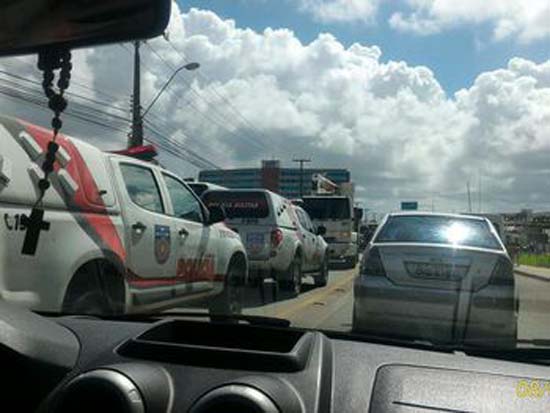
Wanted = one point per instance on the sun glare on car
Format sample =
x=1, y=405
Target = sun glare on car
x=456, y=233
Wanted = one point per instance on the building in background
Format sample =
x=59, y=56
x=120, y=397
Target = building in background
x=285, y=181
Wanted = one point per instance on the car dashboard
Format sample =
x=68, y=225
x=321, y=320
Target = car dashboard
x=176, y=365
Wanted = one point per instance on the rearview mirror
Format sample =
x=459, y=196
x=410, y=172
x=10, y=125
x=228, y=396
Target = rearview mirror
x=29, y=26
x=321, y=230
x=216, y=214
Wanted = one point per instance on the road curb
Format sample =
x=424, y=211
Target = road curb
x=531, y=275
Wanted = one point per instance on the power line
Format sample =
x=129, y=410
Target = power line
x=75, y=107
x=201, y=113
x=186, y=134
x=213, y=107
x=212, y=86
x=175, y=149
x=86, y=118
x=191, y=152
x=41, y=105
x=35, y=82
x=170, y=130
x=179, y=146
x=86, y=112
x=74, y=82
x=34, y=97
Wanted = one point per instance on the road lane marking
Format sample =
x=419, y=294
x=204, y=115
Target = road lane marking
x=290, y=309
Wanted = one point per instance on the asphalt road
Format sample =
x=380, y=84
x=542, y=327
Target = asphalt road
x=330, y=307
x=316, y=307
x=534, y=308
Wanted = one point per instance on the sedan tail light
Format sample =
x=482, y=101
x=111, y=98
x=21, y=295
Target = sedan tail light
x=276, y=238
x=372, y=264
x=503, y=273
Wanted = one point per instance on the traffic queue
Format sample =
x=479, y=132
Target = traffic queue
x=117, y=235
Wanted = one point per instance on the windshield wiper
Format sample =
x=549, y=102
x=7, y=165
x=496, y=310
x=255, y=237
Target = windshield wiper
x=218, y=318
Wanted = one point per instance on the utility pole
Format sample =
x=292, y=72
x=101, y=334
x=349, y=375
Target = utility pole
x=479, y=187
x=469, y=196
x=136, y=136
x=301, y=161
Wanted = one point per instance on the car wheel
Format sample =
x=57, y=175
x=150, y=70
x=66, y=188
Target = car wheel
x=321, y=280
x=352, y=262
x=293, y=283
x=230, y=300
x=96, y=289
x=90, y=302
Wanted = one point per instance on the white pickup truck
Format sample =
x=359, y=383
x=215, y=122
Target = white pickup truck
x=279, y=237
x=112, y=234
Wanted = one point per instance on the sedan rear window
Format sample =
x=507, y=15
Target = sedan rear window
x=438, y=230
x=239, y=204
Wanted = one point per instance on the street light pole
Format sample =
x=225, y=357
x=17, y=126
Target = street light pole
x=301, y=161
x=136, y=136
x=188, y=66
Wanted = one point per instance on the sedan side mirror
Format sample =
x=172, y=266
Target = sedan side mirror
x=321, y=230
x=216, y=214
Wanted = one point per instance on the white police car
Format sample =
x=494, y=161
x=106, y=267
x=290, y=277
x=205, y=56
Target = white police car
x=112, y=234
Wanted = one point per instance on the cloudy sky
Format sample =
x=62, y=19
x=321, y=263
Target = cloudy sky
x=416, y=97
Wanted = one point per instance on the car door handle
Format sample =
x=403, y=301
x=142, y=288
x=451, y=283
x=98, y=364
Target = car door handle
x=183, y=232
x=139, y=227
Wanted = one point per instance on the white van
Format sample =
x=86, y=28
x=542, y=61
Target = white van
x=270, y=229
x=117, y=234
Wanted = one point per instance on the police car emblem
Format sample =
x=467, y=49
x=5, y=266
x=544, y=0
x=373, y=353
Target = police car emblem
x=162, y=243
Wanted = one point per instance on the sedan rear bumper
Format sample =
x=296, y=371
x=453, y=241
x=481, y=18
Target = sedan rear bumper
x=383, y=308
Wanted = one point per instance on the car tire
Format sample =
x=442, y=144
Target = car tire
x=352, y=262
x=321, y=280
x=89, y=303
x=96, y=289
x=293, y=281
x=230, y=300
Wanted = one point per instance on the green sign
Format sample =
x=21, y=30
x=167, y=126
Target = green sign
x=409, y=206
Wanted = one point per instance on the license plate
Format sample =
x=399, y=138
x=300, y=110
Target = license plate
x=436, y=271
x=255, y=242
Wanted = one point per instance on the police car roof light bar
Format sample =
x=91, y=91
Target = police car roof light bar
x=143, y=152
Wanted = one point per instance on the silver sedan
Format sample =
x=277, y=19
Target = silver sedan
x=438, y=277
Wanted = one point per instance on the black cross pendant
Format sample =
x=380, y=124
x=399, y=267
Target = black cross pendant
x=34, y=225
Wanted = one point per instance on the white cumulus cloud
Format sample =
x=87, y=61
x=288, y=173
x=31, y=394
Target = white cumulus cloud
x=329, y=11
x=266, y=94
x=525, y=20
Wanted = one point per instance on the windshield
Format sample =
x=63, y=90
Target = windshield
x=437, y=230
x=414, y=134
x=327, y=208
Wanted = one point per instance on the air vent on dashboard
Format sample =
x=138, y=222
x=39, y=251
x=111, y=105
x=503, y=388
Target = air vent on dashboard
x=235, y=398
x=100, y=390
x=122, y=387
